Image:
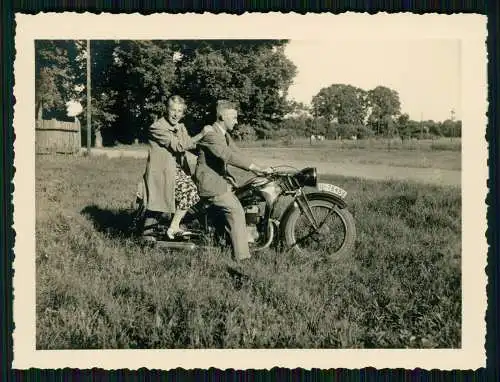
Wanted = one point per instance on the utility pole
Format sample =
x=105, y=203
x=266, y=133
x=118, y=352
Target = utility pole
x=89, y=101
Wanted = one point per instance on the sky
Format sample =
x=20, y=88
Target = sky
x=425, y=73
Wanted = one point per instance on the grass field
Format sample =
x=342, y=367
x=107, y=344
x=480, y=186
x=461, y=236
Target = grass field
x=437, y=144
x=96, y=288
x=440, y=153
x=444, y=153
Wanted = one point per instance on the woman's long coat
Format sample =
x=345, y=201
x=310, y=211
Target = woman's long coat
x=167, y=146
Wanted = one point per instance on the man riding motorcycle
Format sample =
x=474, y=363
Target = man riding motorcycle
x=217, y=151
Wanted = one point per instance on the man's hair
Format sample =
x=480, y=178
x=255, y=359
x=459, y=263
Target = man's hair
x=177, y=99
x=223, y=105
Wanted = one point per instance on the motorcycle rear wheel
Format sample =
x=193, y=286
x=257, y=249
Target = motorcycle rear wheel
x=305, y=242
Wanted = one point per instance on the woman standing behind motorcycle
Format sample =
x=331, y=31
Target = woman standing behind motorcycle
x=168, y=185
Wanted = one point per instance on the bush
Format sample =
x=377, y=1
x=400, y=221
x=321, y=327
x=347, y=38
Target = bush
x=288, y=140
x=364, y=132
x=265, y=130
x=299, y=126
x=347, y=130
x=245, y=132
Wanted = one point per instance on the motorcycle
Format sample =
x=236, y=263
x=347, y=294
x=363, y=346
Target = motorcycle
x=287, y=209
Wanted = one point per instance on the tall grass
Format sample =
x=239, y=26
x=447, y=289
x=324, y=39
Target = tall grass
x=97, y=288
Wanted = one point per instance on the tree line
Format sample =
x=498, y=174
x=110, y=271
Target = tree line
x=132, y=80
x=344, y=111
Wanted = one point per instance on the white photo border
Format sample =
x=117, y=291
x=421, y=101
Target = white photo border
x=469, y=28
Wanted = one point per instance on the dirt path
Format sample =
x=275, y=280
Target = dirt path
x=367, y=171
x=376, y=171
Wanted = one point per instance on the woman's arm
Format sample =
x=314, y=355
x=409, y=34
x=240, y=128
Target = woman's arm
x=164, y=137
x=198, y=137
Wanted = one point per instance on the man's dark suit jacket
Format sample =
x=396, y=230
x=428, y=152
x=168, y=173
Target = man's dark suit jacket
x=216, y=152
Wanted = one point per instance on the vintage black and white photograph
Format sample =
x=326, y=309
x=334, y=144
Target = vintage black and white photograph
x=248, y=193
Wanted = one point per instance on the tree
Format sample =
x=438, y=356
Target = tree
x=142, y=75
x=294, y=109
x=256, y=74
x=402, y=125
x=103, y=96
x=452, y=128
x=47, y=93
x=347, y=130
x=298, y=125
x=132, y=80
x=345, y=104
x=364, y=132
x=319, y=126
x=435, y=128
x=205, y=78
x=55, y=75
x=458, y=129
x=385, y=106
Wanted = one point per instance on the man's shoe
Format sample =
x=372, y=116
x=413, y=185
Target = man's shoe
x=244, y=257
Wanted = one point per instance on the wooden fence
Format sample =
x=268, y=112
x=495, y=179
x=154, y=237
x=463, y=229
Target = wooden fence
x=53, y=136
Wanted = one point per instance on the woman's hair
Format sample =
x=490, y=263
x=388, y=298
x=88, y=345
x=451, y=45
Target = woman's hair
x=177, y=99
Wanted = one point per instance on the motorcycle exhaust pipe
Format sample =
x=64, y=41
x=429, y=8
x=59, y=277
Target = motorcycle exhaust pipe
x=270, y=237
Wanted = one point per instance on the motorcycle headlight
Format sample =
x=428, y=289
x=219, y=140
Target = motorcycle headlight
x=307, y=177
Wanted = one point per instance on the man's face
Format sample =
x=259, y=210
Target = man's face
x=230, y=119
x=175, y=112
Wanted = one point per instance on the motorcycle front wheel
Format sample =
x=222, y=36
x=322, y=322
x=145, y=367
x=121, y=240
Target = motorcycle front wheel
x=336, y=234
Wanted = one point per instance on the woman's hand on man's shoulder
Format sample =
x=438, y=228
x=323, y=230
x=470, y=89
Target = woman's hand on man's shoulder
x=207, y=129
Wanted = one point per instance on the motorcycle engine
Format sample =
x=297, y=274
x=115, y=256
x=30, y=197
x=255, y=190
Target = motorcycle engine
x=254, y=215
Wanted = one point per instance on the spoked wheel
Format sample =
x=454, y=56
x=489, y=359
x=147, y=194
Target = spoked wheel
x=336, y=234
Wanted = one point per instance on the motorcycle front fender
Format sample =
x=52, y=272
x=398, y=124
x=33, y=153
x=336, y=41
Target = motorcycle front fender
x=312, y=194
x=327, y=196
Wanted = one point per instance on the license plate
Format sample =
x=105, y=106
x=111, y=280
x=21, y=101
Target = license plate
x=333, y=189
